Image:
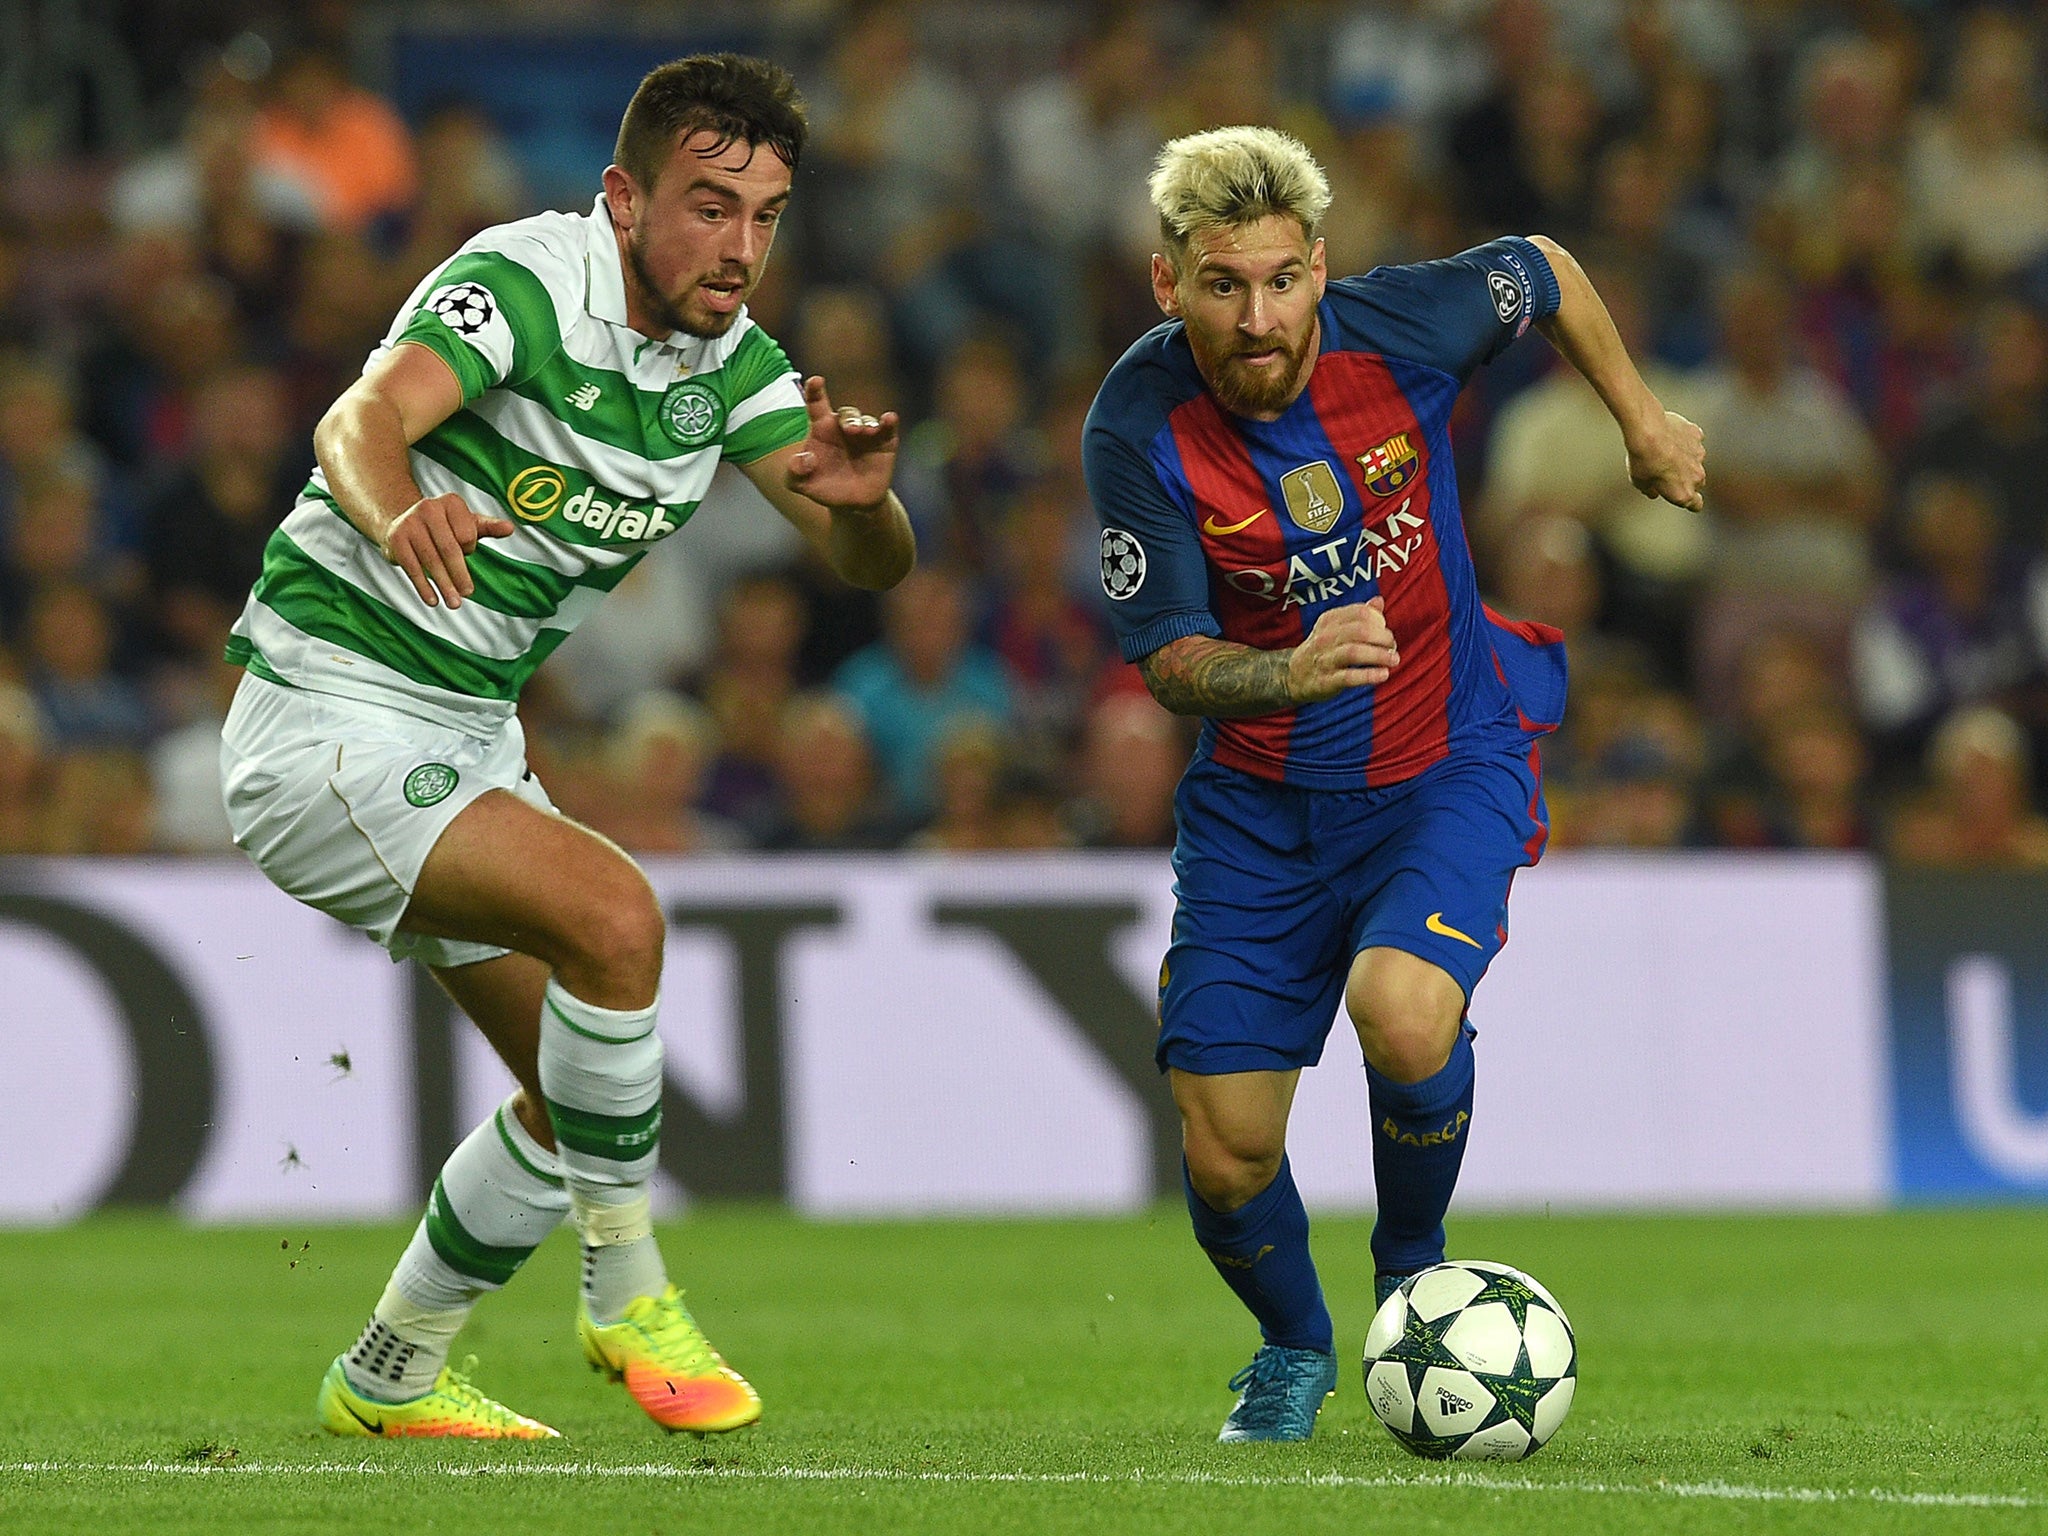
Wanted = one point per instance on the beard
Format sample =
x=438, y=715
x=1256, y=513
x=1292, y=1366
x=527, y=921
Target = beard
x=675, y=316
x=1248, y=391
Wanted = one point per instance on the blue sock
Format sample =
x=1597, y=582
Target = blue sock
x=1261, y=1251
x=1418, y=1141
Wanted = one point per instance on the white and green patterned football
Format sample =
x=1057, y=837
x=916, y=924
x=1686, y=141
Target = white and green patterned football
x=1473, y=1360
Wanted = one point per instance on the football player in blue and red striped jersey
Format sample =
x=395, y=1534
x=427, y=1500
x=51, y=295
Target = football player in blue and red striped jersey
x=1284, y=556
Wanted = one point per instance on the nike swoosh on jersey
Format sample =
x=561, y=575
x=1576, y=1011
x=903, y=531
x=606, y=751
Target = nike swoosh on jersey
x=1210, y=525
x=1435, y=924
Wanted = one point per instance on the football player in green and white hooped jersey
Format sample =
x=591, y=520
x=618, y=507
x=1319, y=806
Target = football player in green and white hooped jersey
x=550, y=403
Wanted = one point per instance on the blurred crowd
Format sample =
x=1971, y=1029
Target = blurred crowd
x=1822, y=228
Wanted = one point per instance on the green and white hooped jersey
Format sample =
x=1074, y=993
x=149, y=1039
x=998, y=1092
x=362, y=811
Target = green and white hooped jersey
x=593, y=440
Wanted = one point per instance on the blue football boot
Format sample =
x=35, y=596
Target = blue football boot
x=1279, y=1394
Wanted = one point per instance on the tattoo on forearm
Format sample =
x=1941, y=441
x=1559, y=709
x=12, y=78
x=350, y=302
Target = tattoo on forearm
x=1198, y=675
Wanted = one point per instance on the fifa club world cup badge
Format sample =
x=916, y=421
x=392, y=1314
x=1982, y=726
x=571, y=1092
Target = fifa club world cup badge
x=430, y=784
x=692, y=414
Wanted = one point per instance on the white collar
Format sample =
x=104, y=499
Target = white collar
x=604, y=287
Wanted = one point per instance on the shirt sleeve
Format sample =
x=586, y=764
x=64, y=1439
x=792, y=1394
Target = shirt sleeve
x=1153, y=569
x=488, y=317
x=1463, y=310
x=767, y=410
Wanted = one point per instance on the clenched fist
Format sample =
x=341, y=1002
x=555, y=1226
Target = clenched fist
x=1350, y=647
x=431, y=540
x=1670, y=460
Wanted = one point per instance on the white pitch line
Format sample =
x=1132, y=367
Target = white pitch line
x=1479, y=1481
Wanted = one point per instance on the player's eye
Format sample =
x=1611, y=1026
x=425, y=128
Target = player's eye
x=1283, y=282
x=711, y=213
x=1223, y=288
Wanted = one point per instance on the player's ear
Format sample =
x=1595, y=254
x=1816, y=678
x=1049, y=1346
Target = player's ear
x=622, y=197
x=1165, y=286
x=1318, y=267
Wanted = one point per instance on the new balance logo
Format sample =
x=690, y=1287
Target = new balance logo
x=583, y=397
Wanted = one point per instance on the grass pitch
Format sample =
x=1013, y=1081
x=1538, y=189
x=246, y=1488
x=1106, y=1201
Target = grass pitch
x=1851, y=1374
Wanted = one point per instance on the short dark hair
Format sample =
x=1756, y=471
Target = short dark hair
x=738, y=98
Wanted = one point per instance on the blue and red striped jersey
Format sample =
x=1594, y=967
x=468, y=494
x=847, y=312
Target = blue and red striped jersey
x=1215, y=524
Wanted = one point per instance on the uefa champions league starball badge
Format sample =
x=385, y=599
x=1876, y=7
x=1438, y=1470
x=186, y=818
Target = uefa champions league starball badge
x=692, y=413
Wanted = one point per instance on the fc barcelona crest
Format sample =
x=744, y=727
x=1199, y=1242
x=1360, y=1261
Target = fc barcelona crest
x=1391, y=466
x=1313, y=499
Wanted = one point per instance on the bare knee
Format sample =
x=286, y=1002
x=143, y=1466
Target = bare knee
x=1228, y=1177
x=609, y=943
x=1233, y=1131
x=1406, y=1011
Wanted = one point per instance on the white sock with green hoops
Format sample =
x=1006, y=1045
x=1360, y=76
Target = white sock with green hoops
x=497, y=1196
x=601, y=1071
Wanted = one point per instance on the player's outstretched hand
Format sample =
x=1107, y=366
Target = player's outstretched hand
x=1350, y=647
x=1671, y=462
x=430, y=541
x=849, y=457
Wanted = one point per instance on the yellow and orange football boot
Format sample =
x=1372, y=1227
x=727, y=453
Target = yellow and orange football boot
x=668, y=1365
x=450, y=1408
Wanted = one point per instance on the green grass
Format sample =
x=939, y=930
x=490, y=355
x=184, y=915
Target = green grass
x=1039, y=1376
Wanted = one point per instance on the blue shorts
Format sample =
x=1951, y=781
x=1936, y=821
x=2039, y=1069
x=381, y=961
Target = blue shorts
x=1278, y=887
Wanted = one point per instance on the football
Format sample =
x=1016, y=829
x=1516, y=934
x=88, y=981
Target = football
x=1473, y=1360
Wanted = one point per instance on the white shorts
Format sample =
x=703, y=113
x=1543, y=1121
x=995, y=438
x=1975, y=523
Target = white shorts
x=340, y=802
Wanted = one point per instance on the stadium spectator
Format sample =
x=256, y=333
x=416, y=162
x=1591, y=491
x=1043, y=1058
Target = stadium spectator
x=39, y=438
x=184, y=767
x=842, y=332
x=22, y=770
x=1636, y=227
x=344, y=301
x=1951, y=628
x=1052, y=641
x=893, y=182
x=22, y=325
x=1640, y=791
x=827, y=796
x=1850, y=115
x=1975, y=813
x=345, y=144
x=922, y=680
x=1977, y=163
x=68, y=641
x=1795, y=486
x=1132, y=756
x=1867, y=314
x=968, y=780
x=1998, y=432
x=203, y=531
x=655, y=761
x=468, y=181
x=1076, y=145
x=58, y=537
x=654, y=628
x=1523, y=152
x=99, y=803
x=246, y=217
x=171, y=327
x=1405, y=60
x=747, y=687
x=1886, y=160
x=960, y=468
x=1552, y=454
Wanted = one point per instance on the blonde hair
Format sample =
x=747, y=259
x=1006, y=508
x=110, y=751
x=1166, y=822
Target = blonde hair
x=1231, y=176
